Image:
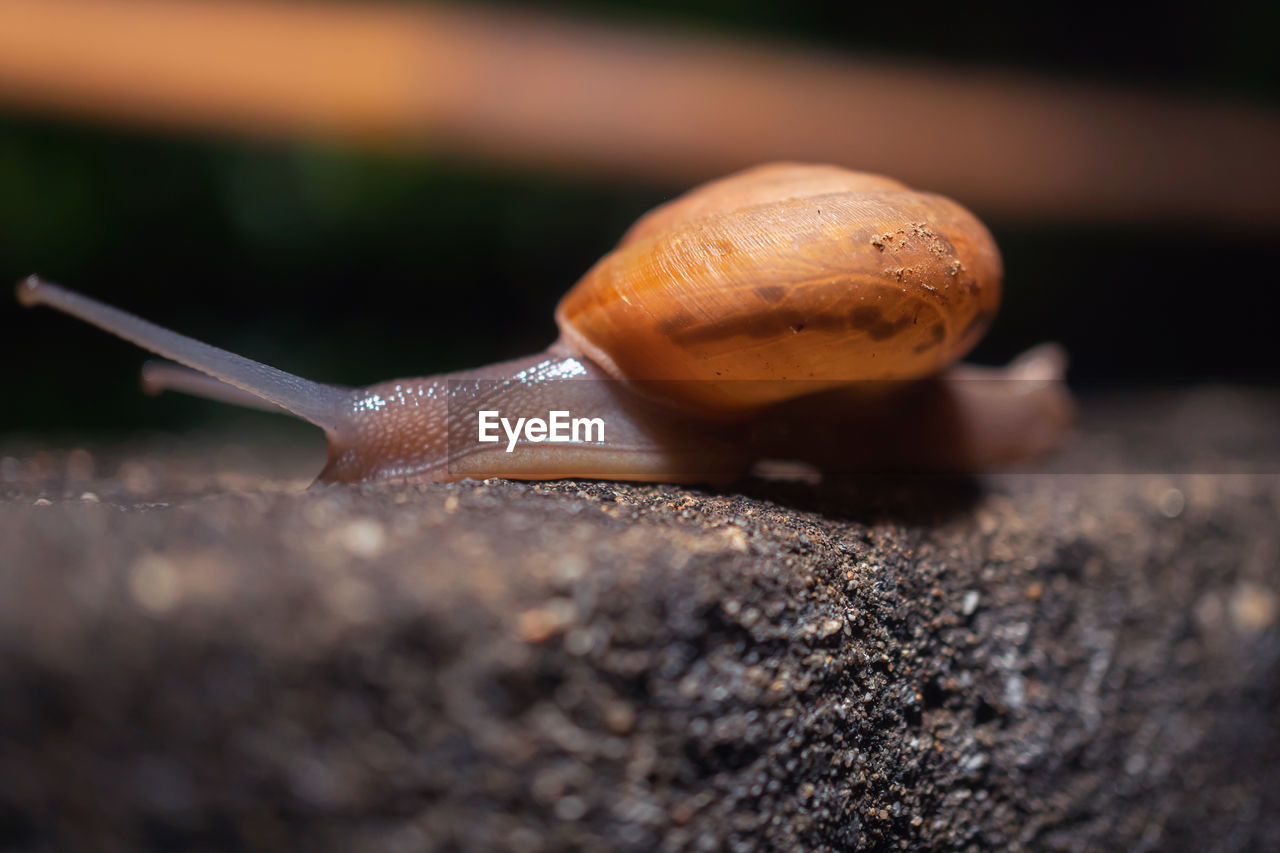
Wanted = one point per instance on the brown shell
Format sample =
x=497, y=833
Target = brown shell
x=757, y=185
x=784, y=280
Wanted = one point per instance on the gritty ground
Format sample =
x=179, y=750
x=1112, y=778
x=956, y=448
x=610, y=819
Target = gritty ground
x=197, y=652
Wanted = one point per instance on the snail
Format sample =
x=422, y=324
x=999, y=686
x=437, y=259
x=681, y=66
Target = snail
x=788, y=311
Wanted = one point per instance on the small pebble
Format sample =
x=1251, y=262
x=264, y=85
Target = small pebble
x=153, y=582
x=1252, y=608
x=830, y=628
x=1171, y=503
x=736, y=538
x=536, y=626
x=542, y=623
x=42, y=502
x=570, y=568
x=619, y=718
x=363, y=537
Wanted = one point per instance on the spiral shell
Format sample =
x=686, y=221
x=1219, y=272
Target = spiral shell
x=784, y=280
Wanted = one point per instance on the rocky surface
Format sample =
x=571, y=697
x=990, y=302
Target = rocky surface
x=197, y=652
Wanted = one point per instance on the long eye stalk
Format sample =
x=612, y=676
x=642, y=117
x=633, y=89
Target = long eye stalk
x=315, y=402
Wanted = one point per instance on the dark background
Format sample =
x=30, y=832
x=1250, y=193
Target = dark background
x=356, y=266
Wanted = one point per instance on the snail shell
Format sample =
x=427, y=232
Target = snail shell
x=798, y=278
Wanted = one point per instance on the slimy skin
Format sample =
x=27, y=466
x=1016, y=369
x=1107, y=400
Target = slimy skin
x=966, y=419
x=427, y=428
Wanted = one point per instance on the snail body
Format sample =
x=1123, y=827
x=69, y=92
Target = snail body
x=758, y=314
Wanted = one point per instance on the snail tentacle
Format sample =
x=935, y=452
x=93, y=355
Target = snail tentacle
x=314, y=402
x=158, y=376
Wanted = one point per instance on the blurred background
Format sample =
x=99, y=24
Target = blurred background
x=1125, y=159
